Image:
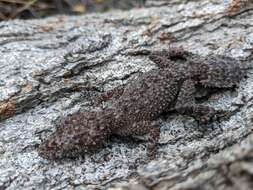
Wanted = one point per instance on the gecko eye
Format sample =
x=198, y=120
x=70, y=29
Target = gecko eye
x=179, y=59
x=245, y=77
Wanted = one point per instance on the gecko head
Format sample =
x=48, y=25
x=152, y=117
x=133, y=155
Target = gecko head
x=77, y=134
x=224, y=73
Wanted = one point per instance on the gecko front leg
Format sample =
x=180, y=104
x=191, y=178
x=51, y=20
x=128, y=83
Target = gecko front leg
x=115, y=93
x=186, y=105
x=154, y=135
x=164, y=58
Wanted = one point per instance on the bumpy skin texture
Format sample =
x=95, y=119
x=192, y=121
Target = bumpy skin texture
x=209, y=71
x=77, y=134
x=137, y=106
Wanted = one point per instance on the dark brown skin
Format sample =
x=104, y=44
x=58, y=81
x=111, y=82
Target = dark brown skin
x=73, y=138
x=137, y=106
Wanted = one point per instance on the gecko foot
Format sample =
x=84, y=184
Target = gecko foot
x=203, y=114
x=153, y=142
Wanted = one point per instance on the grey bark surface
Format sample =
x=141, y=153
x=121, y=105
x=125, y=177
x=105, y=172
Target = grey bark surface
x=52, y=67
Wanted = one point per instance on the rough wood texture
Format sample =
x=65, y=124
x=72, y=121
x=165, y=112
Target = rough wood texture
x=55, y=66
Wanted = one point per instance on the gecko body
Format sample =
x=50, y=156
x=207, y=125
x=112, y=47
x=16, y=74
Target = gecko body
x=138, y=105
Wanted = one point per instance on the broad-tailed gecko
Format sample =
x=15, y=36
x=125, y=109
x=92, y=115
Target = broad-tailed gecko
x=139, y=104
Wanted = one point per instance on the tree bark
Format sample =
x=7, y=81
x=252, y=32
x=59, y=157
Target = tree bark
x=52, y=67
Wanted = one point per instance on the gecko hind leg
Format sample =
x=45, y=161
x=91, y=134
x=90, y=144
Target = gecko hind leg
x=152, y=128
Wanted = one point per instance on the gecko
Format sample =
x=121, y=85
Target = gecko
x=136, y=107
